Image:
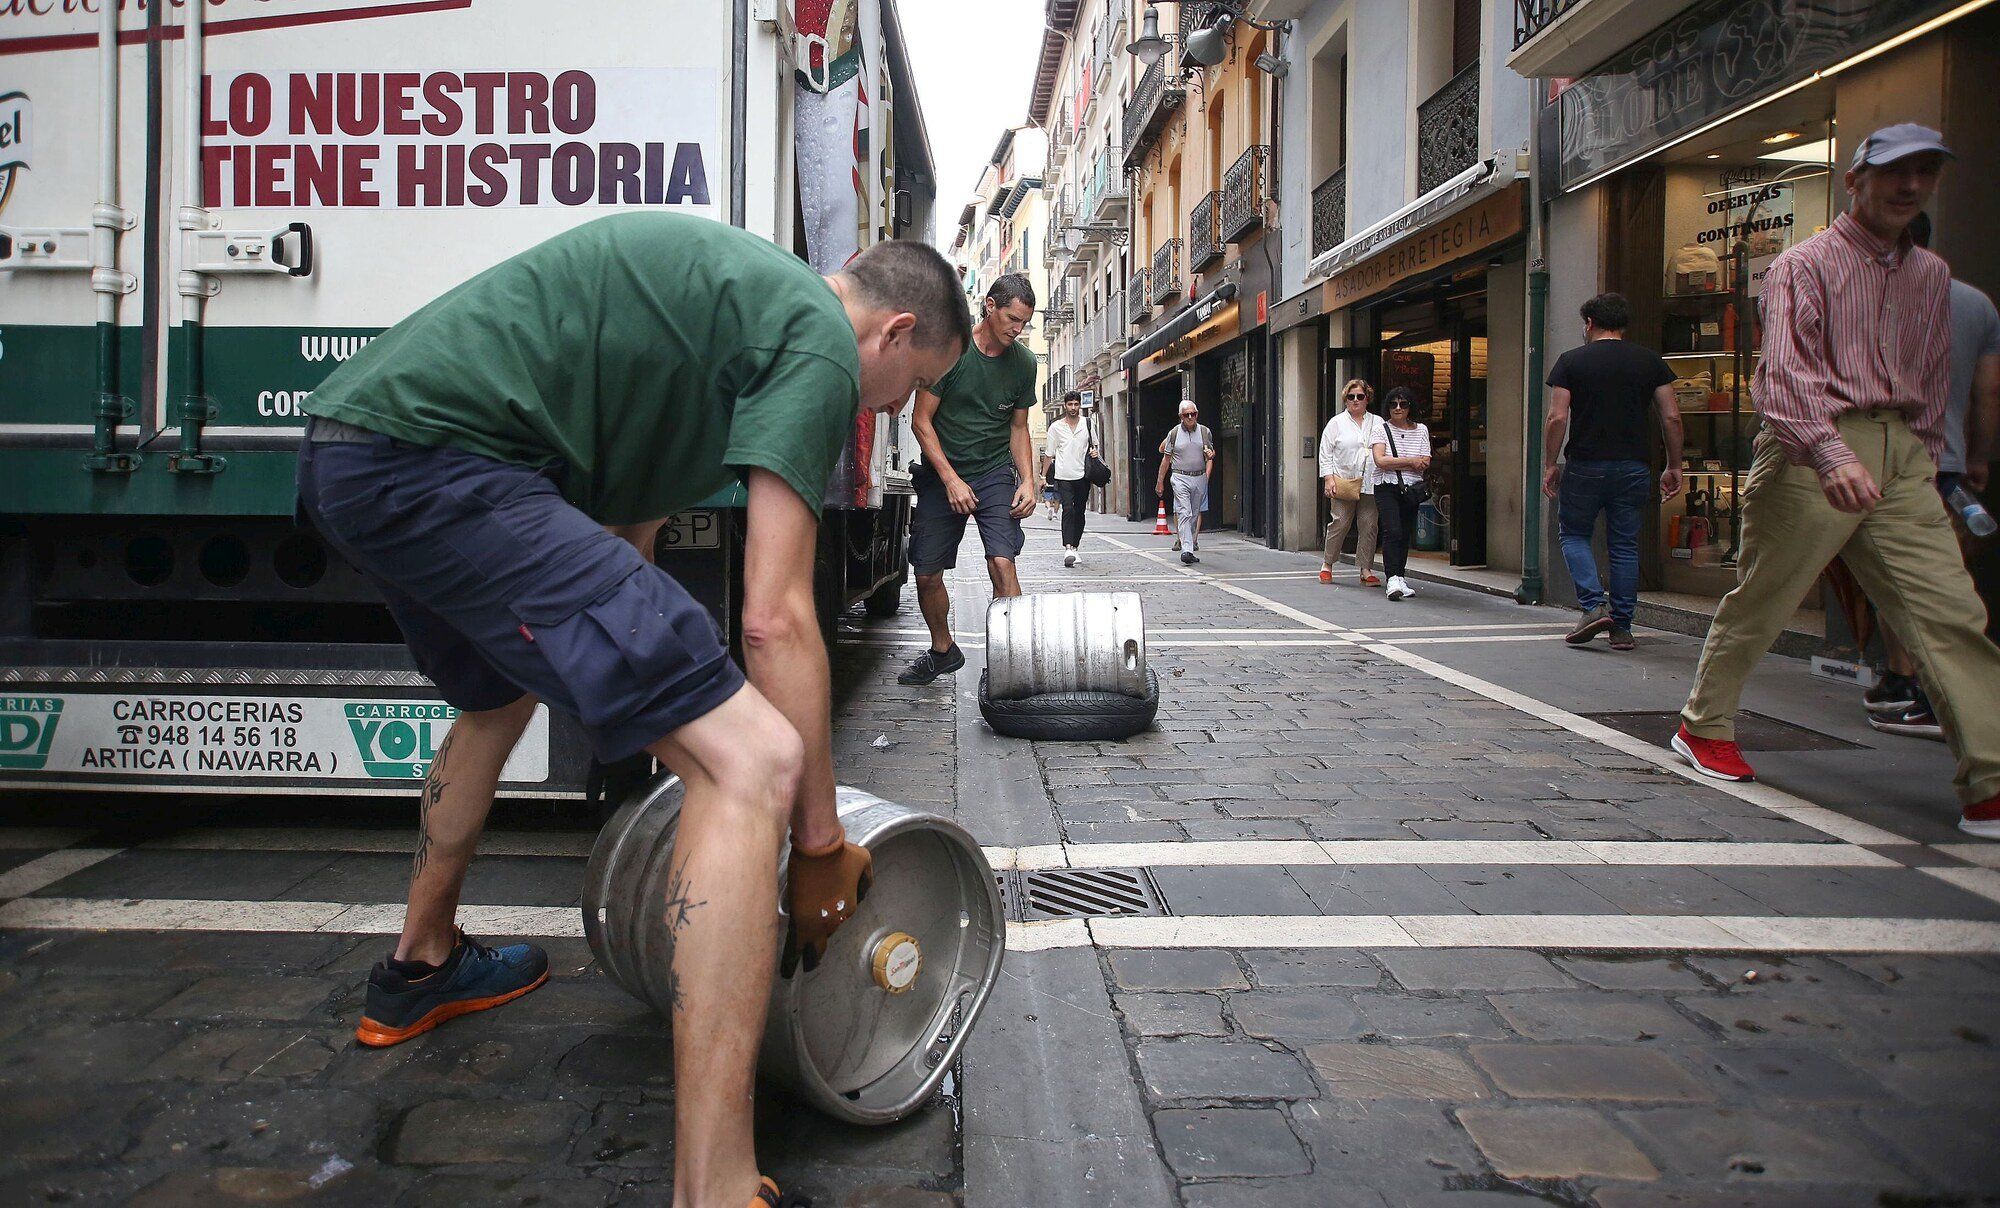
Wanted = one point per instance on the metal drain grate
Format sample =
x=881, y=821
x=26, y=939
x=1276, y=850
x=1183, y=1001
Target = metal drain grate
x=1085, y=893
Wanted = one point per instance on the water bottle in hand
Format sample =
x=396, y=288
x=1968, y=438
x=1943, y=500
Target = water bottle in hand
x=1974, y=513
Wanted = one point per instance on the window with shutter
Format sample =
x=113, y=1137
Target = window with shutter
x=1464, y=34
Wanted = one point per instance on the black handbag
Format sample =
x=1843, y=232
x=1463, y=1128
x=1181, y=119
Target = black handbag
x=1095, y=472
x=1415, y=492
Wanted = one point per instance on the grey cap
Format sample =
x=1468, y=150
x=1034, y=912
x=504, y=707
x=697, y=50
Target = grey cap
x=1892, y=143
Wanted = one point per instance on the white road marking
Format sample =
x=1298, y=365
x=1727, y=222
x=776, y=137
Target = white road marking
x=1986, y=853
x=43, y=871
x=33, y=838
x=1480, y=639
x=189, y=914
x=1654, y=933
x=1373, y=630
x=1983, y=881
x=1264, y=852
x=397, y=842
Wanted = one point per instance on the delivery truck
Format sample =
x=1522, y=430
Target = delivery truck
x=206, y=206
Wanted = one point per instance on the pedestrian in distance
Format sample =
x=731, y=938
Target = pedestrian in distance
x=1065, y=460
x=1599, y=396
x=1852, y=392
x=1898, y=702
x=1346, y=450
x=499, y=464
x=978, y=464
x=1188, y=458
x=1401, y=456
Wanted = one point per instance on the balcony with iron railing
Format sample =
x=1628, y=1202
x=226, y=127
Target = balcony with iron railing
x=1115, y=324
x=1196, y=14
x=1159, y=93
x=1205, y=243
x=1245, y=186
x=1164, y=279
x=1533, y=16
x=1330, y=211
x=1109, y=201
x=1448, y=130
x=1138, y=304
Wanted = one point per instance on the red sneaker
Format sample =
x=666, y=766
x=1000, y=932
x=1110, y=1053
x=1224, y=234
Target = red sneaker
x=1982, y=819
x=1325, y=575
x=1714, y=757
x=1371, y=580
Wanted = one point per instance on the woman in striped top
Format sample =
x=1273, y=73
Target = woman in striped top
x=1402, y=456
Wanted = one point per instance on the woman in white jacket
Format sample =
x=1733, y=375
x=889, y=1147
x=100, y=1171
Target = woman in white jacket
x=1344, y=459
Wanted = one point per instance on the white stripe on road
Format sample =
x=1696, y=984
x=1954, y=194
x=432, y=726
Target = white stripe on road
x=189, y=914
x=1647, y=933
x=32, y=838
x=1373, y=630
x=1253, y=852
x=1987, y=853
x=1482, y=639
x=43, y=871
x=1983, y=881
x=396, y=842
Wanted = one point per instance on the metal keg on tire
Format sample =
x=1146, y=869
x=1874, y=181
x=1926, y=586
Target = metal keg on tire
x=1068, y=666
x=867, y=1035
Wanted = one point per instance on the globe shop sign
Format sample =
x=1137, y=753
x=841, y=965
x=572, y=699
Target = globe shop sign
x=1718, y=57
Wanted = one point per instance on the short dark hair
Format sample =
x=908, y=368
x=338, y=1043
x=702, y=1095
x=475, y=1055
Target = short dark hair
x=901, y=275
x=1009, y=289
x=1072, y=394
x=1401, y=396
x=1607, y=312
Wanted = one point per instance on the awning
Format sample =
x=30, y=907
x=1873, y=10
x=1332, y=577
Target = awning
x=1448, y=198
x=1180, y=325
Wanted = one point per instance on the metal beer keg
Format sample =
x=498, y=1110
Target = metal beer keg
x=868, y=1035
x=1072, y=642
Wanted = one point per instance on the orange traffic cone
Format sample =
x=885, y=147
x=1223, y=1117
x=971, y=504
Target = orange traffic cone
x=1160, y=528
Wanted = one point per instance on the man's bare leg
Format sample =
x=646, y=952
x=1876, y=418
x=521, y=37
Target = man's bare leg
x=935, y=602
x=1896, y=655
x=457, y=796
x=740, y=767
x=1005, y=582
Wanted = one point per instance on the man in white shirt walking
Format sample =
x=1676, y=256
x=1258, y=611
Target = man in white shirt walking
x=1067, y=453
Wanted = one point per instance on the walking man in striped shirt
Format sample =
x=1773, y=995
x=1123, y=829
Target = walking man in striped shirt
x=1857, y=352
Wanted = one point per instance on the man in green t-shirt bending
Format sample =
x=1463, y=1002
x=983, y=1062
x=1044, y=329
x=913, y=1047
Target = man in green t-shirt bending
x=978, y=463
x=499, y=463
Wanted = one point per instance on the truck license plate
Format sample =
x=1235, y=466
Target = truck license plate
x=691, y=530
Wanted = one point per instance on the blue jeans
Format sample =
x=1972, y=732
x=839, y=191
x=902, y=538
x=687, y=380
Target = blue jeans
x=1620, y=490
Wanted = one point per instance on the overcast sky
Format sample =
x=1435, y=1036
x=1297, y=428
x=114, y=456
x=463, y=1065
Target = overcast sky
x=975, y=68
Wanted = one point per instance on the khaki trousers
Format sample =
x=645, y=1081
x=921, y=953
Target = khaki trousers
x=1904, y=555
x=1357, y=514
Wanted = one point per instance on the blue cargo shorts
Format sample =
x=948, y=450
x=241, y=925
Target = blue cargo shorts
x=502, y=587
x=936, y=530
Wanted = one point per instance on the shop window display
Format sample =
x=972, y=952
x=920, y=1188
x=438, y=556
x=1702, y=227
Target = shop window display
x=1728, y=214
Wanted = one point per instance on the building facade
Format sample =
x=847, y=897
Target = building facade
x=1003, y=229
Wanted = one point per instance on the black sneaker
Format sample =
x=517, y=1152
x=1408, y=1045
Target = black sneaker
x=1891, y=694
x=930, y=664
x=1917, y=721
x=1188, y=559
x=473, y=978
x=1622, y=639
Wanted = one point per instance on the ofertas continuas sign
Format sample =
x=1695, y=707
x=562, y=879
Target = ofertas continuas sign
x=454, y=138
x=267, y=737
x=1715, y=58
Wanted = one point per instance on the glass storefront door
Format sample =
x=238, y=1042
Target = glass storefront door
x=1436, y=347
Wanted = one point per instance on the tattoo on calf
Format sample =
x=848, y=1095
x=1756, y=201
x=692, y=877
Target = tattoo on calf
x=680, y=907
x=434, y=787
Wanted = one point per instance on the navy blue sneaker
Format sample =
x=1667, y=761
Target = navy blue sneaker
x=473, y=978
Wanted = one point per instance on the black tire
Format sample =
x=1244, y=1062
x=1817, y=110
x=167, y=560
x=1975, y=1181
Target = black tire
x=1072, y=716
x=887, y=600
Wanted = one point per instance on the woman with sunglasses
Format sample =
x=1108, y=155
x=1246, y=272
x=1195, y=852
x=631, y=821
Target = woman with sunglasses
x=1344, y=459
x=1402, y=456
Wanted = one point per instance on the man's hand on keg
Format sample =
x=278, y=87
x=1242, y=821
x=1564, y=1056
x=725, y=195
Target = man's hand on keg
x=826, y=886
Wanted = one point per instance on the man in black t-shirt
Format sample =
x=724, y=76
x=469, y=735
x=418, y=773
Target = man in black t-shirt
x=1600, y=395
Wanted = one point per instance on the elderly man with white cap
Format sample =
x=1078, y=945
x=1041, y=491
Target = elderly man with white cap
x=1852, y=390
x=1189, y=452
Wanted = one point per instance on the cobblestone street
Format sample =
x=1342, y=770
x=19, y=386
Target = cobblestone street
x=1431, y=919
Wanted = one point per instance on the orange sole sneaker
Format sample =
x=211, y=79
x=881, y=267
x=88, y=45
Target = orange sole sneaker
x=381, y=1036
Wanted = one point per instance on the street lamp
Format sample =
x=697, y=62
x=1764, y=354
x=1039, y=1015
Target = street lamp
x=1149, y=45
x=1209, y=46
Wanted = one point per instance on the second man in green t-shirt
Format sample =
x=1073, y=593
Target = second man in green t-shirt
x=978, y=462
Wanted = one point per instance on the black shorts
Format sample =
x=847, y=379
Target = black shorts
x=502, y=588
x=936, y=530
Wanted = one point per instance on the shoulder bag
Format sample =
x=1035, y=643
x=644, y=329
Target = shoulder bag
x=1095, y=472
x=1415, y=492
